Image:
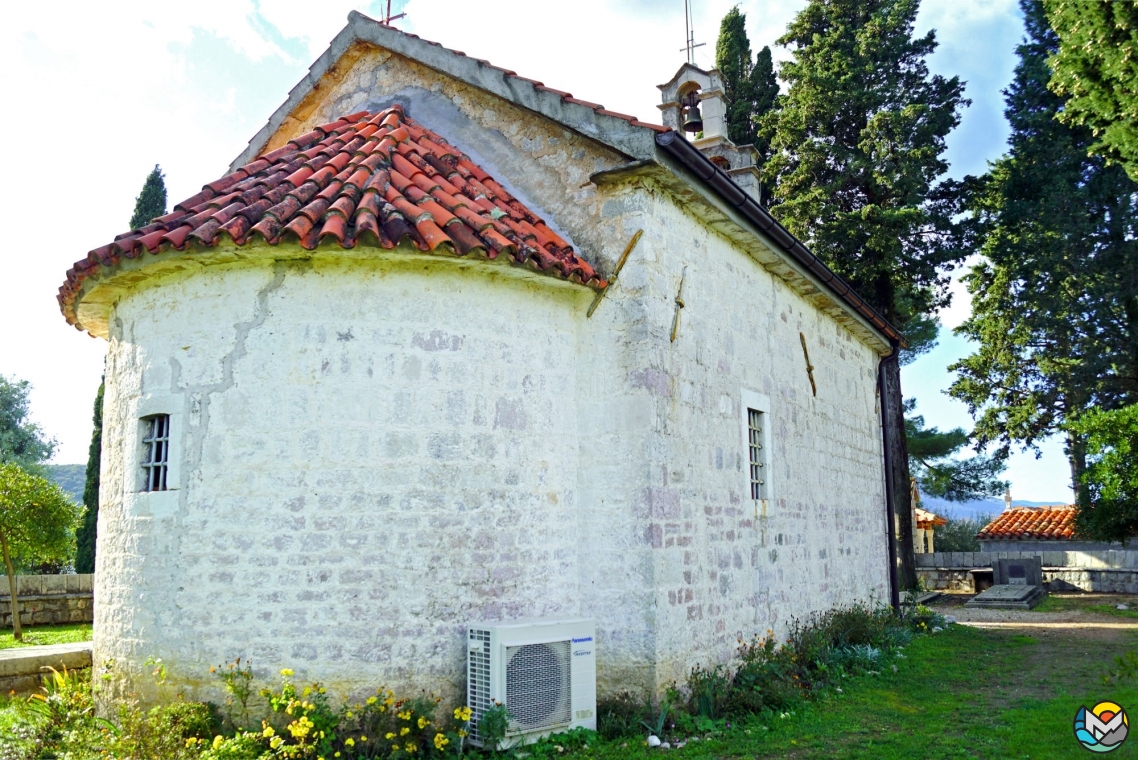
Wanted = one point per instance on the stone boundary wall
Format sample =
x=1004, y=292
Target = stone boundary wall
x=1101, y=559
x=1109, y=571
x=49, y=600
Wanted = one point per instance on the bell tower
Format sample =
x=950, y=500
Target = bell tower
x=694, y=102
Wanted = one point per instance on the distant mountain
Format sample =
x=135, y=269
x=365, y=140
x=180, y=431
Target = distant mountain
x=72, y=478
x=978, y=507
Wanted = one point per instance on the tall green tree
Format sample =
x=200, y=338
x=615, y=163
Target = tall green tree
x=151, y=202
x=1110, y=482
x=21, y=441
x=1055, y=299
x=85, y=537
x=749, y=86
x=1096, y=69
x=36, y=523
x=857, y=168
x=935, y=461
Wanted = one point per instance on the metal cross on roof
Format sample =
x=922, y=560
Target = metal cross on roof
x=689, y=34
x=388, y=18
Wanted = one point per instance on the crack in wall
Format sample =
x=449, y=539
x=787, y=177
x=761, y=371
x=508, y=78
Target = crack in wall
x=198, y=396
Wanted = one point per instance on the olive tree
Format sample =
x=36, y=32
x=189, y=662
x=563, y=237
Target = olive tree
x=37, y=523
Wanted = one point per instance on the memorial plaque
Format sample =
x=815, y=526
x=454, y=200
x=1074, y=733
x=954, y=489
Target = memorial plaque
x=1018, y=572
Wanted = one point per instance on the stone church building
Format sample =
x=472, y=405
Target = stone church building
x=383, y=379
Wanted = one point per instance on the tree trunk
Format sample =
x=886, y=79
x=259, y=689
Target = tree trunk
x=1077, y=455
x=17, y=632
x=897, y=473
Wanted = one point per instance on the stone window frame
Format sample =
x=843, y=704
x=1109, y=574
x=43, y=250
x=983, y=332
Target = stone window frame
x=155, y=452
x=761, y=403
x=142, y=501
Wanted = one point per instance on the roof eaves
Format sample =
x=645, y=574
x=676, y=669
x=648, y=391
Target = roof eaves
x=621, y=132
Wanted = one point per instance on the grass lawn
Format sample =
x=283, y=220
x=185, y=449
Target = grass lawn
x=963, y=693
x=47, y=634
x=1098, y=604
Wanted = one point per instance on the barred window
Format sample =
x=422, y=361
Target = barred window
x=156, y=452
x=756, y=453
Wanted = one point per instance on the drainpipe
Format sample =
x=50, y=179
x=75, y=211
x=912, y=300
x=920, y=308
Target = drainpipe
x=890, y=516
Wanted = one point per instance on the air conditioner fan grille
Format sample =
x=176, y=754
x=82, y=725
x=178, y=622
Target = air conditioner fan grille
x=538, y=686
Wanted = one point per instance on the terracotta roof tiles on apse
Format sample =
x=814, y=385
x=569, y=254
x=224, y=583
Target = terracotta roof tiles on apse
x=370, y=179
x=1031, y=523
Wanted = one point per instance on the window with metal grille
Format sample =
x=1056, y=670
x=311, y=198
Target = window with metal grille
x=756, y=453
x=156, y=452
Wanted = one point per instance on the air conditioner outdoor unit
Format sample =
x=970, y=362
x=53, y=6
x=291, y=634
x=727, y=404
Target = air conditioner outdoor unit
x=543, y=671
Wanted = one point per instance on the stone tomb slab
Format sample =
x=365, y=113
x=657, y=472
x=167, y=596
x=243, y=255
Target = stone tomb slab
x=1006, y=596
x=1027, y=571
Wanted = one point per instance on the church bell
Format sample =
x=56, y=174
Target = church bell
x=693, y=120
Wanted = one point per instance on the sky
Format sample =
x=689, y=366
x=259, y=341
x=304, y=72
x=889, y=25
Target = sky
x=99, y=93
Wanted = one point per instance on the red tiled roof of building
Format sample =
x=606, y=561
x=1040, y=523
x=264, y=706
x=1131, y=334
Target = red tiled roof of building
x=927, y=520
x=1057, y=523
x=370, y=179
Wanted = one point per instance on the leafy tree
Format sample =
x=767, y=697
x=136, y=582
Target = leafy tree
x=86, y=535
x=1096, y=69
x=21, y=441
x=856, y=165
x=749, y=86
x=36, y=523
x=1108, y=509
x=933, y=462
x=151, y=202
x=1055, y=300
x=959, y=534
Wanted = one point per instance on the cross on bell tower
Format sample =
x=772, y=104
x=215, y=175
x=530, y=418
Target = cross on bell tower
x=388, y=18
x=689, y=34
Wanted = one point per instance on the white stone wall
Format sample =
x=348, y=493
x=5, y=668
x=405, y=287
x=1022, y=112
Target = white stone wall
x=372, y=457
x=724, y=566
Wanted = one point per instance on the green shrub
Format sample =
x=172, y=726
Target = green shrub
x=768, y=678
x=622, y=715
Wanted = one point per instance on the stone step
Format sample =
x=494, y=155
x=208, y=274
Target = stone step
x=22, y=668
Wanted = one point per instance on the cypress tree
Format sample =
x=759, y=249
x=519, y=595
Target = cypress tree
x=1055, y=300
x=86, y=534
x=857, y=164
x=151, y=202
x=1096, y=69
x=764, y=90
x=749, y=87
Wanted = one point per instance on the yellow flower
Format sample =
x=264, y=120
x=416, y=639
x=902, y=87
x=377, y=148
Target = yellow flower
x=390, y=735
x=461, y=734
x=423, y=722
x=268, y=732
x=276, y=742
x=363, y=738
x=409, y=747
x=306, y=692
x=371, y=700
x=350, y=742
x=405, y=715
x=217, y=741
x=463, y=713
x=287, y=673
x=441, y=741
x=404, y=731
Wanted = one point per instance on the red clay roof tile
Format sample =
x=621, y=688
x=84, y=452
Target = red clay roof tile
x=1054, y=523
x=321, y=185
